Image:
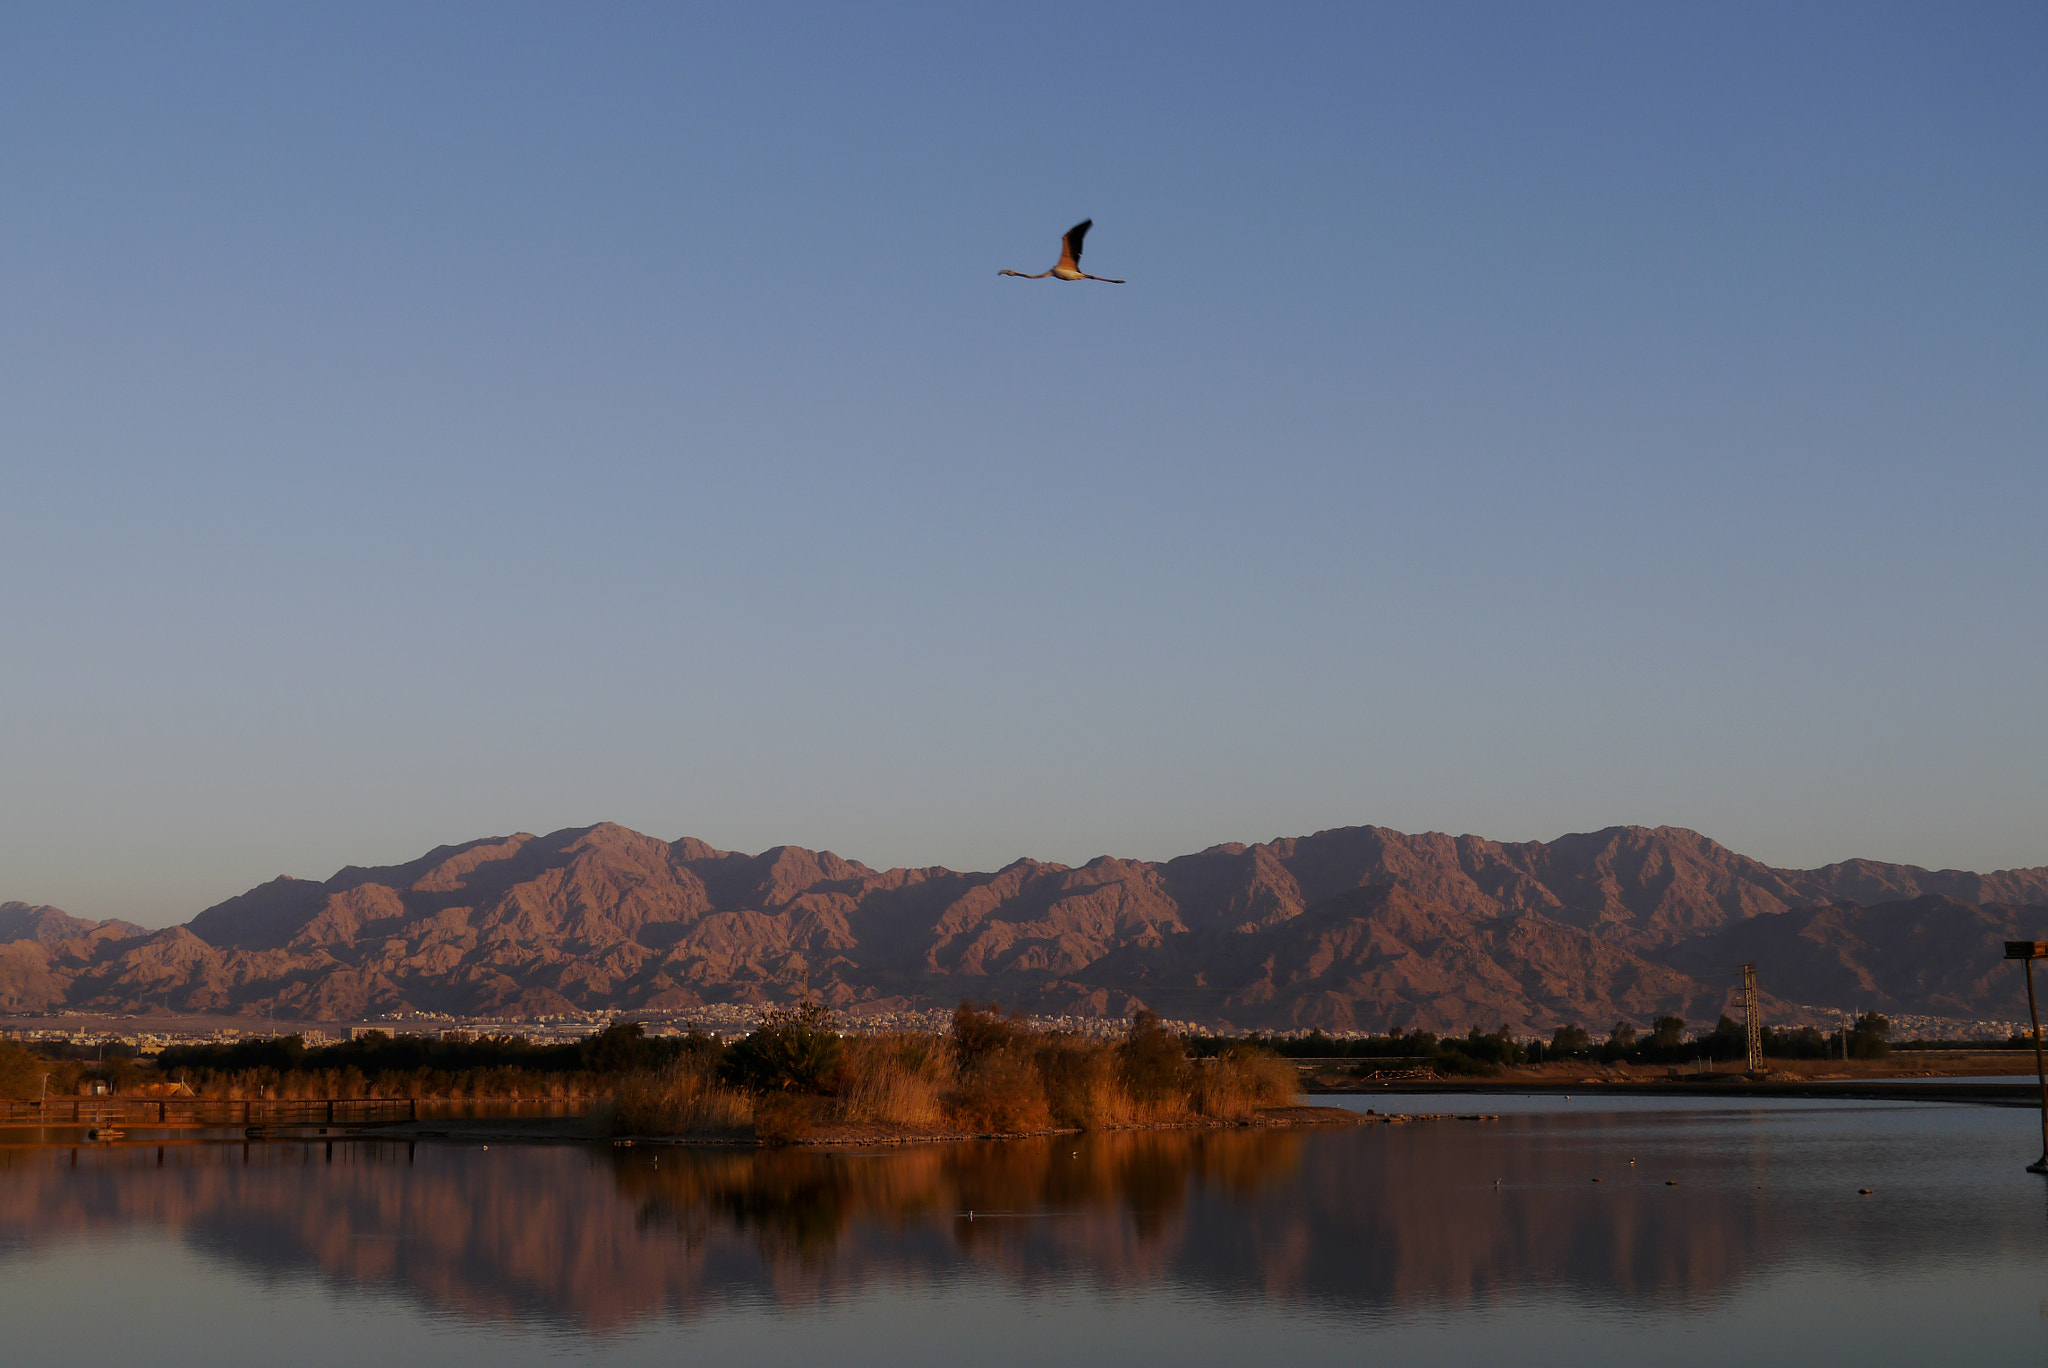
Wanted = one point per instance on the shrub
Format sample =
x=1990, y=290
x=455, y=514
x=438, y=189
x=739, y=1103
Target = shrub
x=1001, y=1092
x=619, y=1048
x=1458, y=1064
x=978, y=1031
x=793, y=1050
x=1153, y=1066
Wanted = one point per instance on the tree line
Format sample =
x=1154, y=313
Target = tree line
x=1664, y=1042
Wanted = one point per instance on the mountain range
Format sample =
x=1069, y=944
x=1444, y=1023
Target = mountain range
x=1352, y=928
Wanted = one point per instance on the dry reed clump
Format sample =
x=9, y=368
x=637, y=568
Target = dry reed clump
x=898, y=1080
x=1237, y=1085
x=782, y=1118
x=1153, y=1069
x=680, y=1099
x=1001, y=1092
x=1079, y=1078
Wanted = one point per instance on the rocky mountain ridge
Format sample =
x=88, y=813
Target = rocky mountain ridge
x=50, y=926
x=1357, y=927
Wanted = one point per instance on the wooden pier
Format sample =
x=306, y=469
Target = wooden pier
x=107, y=1110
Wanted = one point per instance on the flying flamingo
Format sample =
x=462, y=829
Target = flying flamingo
x=1069, y=267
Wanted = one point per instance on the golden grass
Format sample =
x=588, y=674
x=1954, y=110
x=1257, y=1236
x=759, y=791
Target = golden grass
x=679, y=1099
x=897, y=1080
x=1235, y=1086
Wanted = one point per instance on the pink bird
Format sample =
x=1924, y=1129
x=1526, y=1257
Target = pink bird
x=1069, y=267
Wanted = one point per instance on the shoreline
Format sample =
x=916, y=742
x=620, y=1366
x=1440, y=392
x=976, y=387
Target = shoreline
x=1922, y=1089
x=844, y=1135
x=584, y=1130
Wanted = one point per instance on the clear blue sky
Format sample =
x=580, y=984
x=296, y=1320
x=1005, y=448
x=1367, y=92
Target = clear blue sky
x=423, y=422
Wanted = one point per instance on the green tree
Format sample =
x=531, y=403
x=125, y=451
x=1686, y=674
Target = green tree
x=1870, y=1037
x=1571, y=1040
x=793, y=1050
x=1730, y=1039
x=1621, y=1042
x=1667, y=1033
x=1499, y=1047
x=620, y=1047
x=1804, y=1042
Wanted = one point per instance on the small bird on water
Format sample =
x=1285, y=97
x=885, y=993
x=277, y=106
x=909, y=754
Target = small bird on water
x=1069, y=264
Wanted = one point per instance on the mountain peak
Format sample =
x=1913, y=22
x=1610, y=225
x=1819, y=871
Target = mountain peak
x=1363, y=925
x=45, y=925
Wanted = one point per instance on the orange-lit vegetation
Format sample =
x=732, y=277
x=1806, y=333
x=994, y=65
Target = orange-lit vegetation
x=455, y=1069
x=992, y=1075
x=793, y=1078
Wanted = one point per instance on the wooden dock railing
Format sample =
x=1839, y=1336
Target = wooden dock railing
x=209, y=1111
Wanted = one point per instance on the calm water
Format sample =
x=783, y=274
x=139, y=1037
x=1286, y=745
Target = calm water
x=1387, y=1243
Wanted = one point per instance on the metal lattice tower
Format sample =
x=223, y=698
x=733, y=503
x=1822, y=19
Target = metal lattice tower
x=1753, y=1020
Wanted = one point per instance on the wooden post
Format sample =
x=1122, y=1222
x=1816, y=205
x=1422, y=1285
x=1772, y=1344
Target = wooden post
x=2040, y=1072
x=2030, y=951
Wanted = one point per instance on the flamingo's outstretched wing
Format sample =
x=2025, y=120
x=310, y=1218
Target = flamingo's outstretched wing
x=1070, y=245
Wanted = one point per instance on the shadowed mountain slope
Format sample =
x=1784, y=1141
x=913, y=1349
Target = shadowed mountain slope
x=1932, y=954
x=49, y=926
x=1355, y=927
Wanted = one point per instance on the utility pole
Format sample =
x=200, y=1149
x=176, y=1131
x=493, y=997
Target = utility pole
x=1753, y=1022
x=2029, y=951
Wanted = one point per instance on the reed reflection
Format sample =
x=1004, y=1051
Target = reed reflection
x=807, y=1204
x=1354, y=1223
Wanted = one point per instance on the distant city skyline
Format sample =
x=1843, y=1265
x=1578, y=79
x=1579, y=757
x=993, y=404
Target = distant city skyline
x=427, y=423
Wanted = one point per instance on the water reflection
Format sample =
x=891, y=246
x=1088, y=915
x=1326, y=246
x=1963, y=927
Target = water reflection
x=1353, y=1223
x=1122, y=1193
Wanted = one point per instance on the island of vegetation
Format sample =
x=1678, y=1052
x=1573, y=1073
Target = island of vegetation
x=793, y=1079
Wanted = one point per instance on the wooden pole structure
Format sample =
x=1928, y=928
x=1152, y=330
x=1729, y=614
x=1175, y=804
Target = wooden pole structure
x=2029, y=951
x=1752, y=1024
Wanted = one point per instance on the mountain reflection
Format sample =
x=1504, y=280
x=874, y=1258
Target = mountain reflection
x=1351, y=1223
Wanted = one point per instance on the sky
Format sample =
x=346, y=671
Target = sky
x=427, y=421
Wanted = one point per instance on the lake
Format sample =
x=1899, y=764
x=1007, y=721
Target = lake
x=1721, y=1232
